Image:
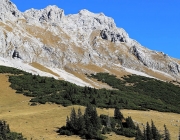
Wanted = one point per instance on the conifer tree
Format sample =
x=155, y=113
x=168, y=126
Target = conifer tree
x=130, y=123
x=155, y=133
x=92, y=122
x=68, y=125
x=95, y=119
x=73, y=119
x=144, y=135
x=139, y=135
x=80, y=121
x=148, y=132
x=94, y=101
x=166, y=133
x=118, y=114
x=88, y=116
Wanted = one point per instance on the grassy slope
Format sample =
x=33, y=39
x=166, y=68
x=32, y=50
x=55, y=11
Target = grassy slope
x=35, y=122
x=41, y=121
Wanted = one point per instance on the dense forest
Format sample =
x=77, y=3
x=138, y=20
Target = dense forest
x=130, y=92
x=6, y=134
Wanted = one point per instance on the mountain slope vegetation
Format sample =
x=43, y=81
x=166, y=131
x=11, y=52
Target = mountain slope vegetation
x=29, y=119
x=131, y=92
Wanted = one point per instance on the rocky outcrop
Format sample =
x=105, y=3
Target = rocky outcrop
x=16, y=54
x=9, y=11
x=160, y=62
x=112, y=36
x=174, y=68
x=50, y=38
x=51, y=14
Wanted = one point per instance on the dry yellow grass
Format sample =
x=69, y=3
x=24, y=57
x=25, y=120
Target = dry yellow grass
x=8, y=28
x=92, y=67
x=93, y=82
x=46, y=36
x=35, y=122
x=41, y=121
x=158, y=75
x=42, y=68
x=116, y=71
x=93, y=35
x=172, y=120
x=113, y=136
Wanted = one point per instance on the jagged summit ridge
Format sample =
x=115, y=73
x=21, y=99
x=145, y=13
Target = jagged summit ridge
x=51, y=14
x=49, y=37
x=90, y=20
x=8, y=10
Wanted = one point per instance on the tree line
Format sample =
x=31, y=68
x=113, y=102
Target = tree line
x=131, y=92
x=91, y=126
x=138, y=97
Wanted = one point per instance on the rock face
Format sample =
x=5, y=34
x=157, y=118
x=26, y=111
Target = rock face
x=52, y=39
x=51, y=14
x=112, y=36
x=8, y=11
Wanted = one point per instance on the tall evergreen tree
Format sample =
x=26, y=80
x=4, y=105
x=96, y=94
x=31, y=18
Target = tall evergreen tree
x=68, y=124
x=118, y=114
x=166, y=133
x=80, y=121
x=139, y=135
x=130, y=123
x=88, y=116
x=73, y=119
x=94, y=101
x=148, y=132
x=155, y=133
x=144, y=134
x=92, y=122
x=95, y=119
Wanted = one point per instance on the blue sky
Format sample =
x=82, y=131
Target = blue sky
x=153, y=23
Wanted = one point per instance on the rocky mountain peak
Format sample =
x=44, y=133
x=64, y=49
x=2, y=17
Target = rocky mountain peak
x=51, y=14
x=86, y=22
x=85, y=12
x=8, y=10
x=50, y=38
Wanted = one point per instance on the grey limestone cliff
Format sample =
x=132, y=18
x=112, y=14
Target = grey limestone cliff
x=49, y=37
